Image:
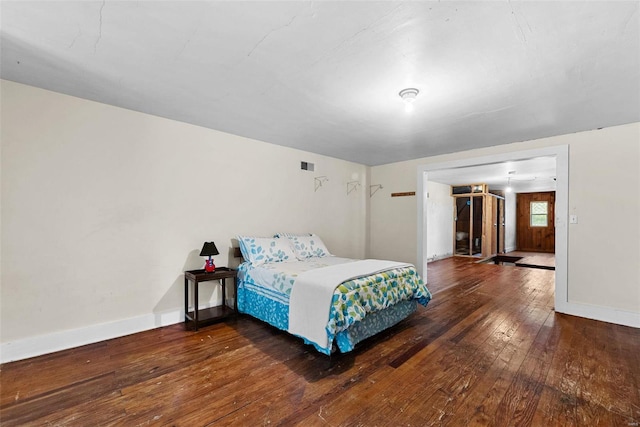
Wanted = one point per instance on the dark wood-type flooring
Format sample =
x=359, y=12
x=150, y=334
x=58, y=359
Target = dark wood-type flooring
x=542, y=259
x=488, y=350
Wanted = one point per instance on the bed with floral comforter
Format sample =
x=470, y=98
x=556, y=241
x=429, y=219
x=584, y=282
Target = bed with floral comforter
x=356, y=309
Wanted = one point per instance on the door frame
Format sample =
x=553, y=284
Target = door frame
x=561, y=154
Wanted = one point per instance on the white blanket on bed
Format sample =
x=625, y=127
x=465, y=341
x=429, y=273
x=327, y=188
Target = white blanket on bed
x=311, y=295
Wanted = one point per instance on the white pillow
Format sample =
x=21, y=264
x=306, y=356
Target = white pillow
x=291, y=234
x=258, y=250
x=308, y=246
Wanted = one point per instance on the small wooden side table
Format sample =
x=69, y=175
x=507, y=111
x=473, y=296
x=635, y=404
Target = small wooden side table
x=212, y=314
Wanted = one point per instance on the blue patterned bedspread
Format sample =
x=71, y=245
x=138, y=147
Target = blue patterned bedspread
x=351, y=301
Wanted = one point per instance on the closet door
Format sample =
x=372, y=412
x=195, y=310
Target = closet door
x=478, y=226
x=493, y=213
x=462, y=224
x=501, y=230
x=494, y=226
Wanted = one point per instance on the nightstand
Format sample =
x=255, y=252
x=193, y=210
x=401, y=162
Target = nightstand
x=212, y=314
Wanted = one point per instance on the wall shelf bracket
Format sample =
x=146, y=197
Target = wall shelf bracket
x=352, y=186
x=374, y=188
x=318, y=180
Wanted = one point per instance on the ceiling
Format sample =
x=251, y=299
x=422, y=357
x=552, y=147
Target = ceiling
x=523, y=176
x=324, y=76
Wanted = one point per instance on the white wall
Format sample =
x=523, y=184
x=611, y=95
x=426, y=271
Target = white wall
x=439, y=221
x=604, y=191
x=392, y=220
x=104, y=208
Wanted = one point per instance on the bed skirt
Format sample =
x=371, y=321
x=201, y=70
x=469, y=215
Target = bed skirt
x=277, y=314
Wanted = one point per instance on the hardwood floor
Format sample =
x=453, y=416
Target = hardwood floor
x=535, y=258
x=488, y=350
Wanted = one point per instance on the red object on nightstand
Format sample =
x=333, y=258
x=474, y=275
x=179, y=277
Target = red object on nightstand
x=210, y=267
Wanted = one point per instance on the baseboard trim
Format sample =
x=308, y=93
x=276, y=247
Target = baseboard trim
x=439, y=257
x=603, y=314
x=63, y=340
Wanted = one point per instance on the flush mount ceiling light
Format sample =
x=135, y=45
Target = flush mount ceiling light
x=408, y=95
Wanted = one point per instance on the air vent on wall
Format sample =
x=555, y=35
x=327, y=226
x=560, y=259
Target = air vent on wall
x=306, y=166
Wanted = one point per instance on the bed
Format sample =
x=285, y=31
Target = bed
x=293, y=283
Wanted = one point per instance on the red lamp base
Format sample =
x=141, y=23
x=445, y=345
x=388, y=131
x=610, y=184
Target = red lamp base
x=209, y=267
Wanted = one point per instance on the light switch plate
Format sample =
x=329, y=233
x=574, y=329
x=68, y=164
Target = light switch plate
x=573, y=219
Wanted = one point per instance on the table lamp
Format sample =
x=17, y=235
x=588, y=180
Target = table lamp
x=209, y=249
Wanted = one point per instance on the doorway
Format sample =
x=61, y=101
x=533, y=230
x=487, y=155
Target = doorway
x=561, y=156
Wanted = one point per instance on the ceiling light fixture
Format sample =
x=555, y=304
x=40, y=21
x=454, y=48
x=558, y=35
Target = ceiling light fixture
x=408, y=95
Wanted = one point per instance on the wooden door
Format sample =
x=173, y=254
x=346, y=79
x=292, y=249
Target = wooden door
x=477, y=226
x=488, y=229
x=535, y=228
x=462, y=225
x=501, y=230
x=494, y=224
